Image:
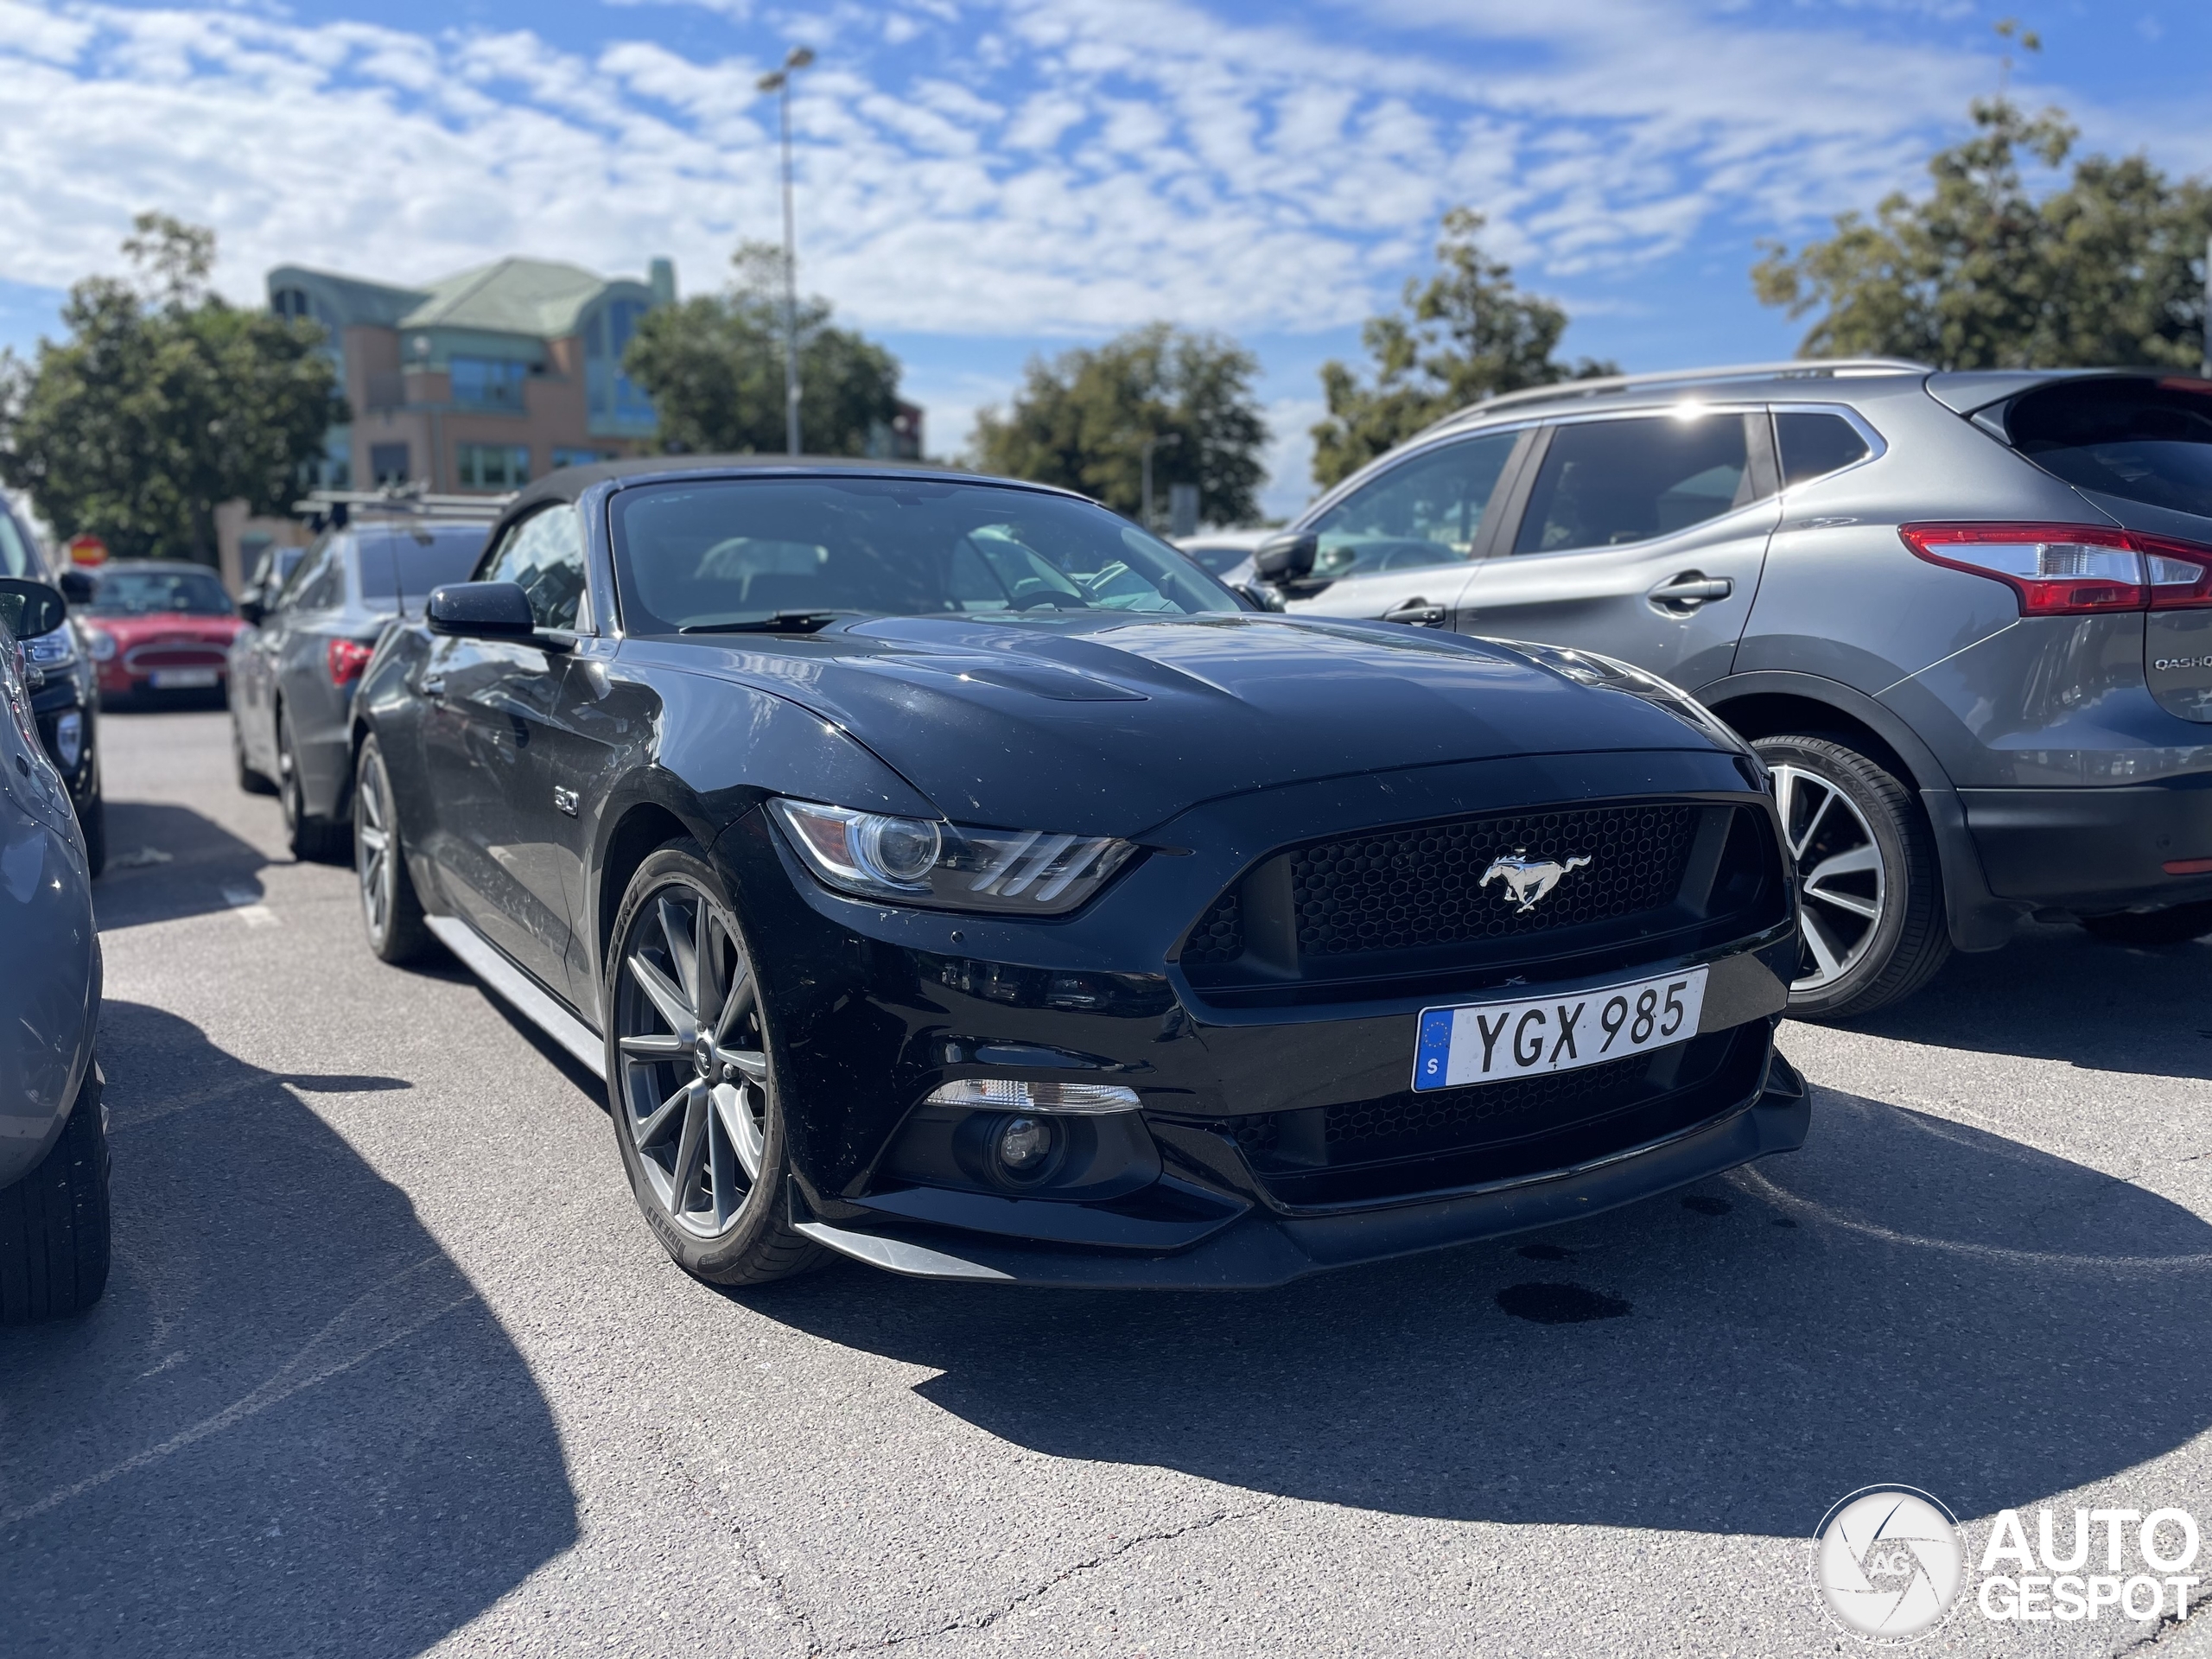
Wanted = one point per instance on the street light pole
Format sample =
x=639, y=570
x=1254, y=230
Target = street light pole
x=779, y=81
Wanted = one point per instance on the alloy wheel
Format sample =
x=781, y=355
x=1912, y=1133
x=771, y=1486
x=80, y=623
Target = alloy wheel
x=693, y=1090
x=1841, y=881
x=373, y=848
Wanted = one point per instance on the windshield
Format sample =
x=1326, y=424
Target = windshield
x=191, y=591
x=2148, y=441
x=734, y=550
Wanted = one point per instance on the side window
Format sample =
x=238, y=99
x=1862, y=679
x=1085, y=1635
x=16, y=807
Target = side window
x=1813, y=444
x=317, y=583
x=544, y=555
x=1606, y=483
x=1425, y=511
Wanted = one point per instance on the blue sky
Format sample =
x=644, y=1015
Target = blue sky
x=981, y=180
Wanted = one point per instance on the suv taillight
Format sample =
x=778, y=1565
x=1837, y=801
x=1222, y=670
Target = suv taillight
x=2073, y=570
x=347, y=658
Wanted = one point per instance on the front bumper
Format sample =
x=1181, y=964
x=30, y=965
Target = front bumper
x=1258, y=1250
x=1263, y=1114
x=2095, y=850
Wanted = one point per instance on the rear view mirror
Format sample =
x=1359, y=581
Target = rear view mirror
x=78, y=586
x=29, y=609
x=250, y=611
x=481, y=610
x=1287, y=557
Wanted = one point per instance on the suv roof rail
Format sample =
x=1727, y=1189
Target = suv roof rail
x=1800, y=368
x=338, y=507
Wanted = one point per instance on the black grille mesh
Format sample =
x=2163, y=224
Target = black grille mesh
x=1219, y=936
x=1444, y=1117
x=1399, y=888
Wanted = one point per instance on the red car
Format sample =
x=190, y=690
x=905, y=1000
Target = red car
x=156, y=626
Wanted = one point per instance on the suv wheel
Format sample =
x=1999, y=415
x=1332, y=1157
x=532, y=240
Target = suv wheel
x=1869, y=897
x=54, y=1222
x=690, y=1069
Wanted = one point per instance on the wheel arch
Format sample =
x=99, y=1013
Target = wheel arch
x=1776, y=704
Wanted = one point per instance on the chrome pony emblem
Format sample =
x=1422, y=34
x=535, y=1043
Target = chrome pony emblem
x=1527, y=880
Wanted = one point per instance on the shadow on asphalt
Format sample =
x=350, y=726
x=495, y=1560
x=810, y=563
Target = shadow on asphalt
x=1906, y=1299
x=168, y=862
x=332, y=1449
x=2055, y=994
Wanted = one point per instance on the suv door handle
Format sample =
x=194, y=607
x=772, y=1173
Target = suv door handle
x=1418, y=612
x=1691, y=589
x=433, y=685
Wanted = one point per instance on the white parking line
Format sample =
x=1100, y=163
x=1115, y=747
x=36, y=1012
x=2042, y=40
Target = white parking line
x=247, y=902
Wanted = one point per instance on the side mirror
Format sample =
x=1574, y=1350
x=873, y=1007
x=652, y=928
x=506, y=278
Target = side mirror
x=250, y=611
x=1262, y=597
x=481, y=610
x=1287, y=557
x=77, y=586
x=29, y=609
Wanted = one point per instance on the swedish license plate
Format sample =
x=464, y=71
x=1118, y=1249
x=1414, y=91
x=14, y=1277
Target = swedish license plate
x=1488, y=1042
x=182, y=679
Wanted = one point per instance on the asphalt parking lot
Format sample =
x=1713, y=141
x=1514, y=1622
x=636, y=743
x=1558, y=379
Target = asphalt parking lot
x=390, y=1365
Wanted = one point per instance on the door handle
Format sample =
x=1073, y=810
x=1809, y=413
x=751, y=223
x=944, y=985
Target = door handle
x=1418, y=612
x=433, y=685
x=1691, y=589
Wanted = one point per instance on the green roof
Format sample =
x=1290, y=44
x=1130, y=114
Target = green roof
x=515, y=296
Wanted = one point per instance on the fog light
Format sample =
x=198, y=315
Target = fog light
x=1007, y=1094
x=69, y=740
x=1025, y=1146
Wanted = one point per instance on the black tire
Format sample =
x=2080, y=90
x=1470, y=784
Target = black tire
x=392, y=913
x=313, y=840
x=249, y=780
x=91, y=819
x=54, y=1222
x=2176, y=925
x=754, y=1244
x=1854, y=964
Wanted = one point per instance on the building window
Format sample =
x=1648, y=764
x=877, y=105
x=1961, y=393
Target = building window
x=492, y=382
x=492, y=466
x=290, y=302
x=581, y=457
x=388, y=463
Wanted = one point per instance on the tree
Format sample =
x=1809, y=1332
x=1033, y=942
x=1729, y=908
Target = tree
x=1081, y=421
x=1979, y=274
x=1465, y=335
x=165, y=401
x=714, y=367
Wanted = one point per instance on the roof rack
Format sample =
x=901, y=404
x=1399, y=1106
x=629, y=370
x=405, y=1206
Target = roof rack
x=1793, y=369
x=335, y=508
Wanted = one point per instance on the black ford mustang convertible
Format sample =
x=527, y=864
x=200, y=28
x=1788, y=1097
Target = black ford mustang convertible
x=944, y=872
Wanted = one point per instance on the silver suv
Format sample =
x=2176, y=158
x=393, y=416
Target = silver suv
x=1965, y=618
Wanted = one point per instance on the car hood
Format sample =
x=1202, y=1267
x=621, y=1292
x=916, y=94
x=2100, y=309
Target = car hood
x=1112, y=725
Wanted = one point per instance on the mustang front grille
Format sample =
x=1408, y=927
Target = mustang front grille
x=1438, y=884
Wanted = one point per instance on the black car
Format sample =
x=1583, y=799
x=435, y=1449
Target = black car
x=945, y=872
x=294, y=668
x=64, y=697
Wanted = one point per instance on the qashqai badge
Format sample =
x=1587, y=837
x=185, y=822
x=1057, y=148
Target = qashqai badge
x=1527, y=880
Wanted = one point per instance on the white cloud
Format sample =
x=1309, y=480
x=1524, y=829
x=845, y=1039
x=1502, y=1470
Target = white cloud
x=1039, y=166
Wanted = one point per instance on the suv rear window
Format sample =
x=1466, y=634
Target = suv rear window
x=2148, y=441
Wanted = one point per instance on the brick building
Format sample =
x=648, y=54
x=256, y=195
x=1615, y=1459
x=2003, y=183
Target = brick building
x=483, y=380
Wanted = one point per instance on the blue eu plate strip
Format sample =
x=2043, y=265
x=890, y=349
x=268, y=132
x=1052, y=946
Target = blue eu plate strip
x=1433, y=1055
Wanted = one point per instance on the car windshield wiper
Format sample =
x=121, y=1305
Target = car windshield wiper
x=781, y=622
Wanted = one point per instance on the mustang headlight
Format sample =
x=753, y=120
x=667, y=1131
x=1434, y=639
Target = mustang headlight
x=949, y=866
x=1610, y=674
